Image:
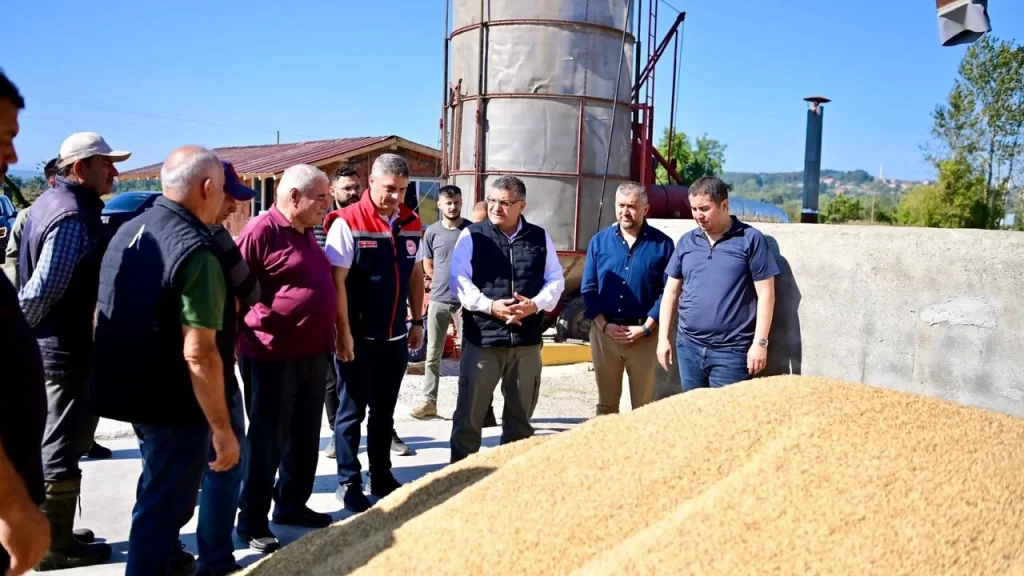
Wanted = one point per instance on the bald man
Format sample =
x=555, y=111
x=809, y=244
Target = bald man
x=479, y=213
x=157, y=363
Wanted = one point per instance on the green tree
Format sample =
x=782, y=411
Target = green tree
x=957, y=200
x=706, y=159
x=982, y=123
x=841, y=209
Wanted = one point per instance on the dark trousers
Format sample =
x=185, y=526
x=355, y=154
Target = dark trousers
x=218, y=502
x=371, y=380
x=708, y=367
x=284, y=436
x=331, y=396
x=480, y=369
x=69, y=424
x=173, y=460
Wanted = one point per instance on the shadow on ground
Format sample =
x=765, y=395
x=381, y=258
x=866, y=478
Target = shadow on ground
x=341, y=549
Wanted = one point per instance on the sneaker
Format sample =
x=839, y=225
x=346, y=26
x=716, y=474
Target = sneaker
x=382, y=486
x=351, y=495
x=398, y=447
x=261, y=540
x=425, y=410
x=182, y=562
x=98, y=452
x=331, y=452
x=305, y=518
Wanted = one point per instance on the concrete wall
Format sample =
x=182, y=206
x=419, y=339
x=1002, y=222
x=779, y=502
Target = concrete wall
x=936, y=312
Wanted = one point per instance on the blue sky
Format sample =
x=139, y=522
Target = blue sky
x=150, y=76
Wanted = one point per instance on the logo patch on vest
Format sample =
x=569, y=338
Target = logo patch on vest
x=367, y=243
x=410, y=245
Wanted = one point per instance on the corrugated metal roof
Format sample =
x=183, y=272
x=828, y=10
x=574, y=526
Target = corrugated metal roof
x=274, y=158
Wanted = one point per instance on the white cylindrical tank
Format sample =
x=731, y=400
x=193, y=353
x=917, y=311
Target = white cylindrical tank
x=535, y=88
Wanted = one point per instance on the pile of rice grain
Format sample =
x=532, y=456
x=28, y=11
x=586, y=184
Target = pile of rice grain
x=785, y=475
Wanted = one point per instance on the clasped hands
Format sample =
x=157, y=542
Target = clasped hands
x=513, y=310
x=624, y=334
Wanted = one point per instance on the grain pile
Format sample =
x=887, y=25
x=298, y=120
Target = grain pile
x=783, y=475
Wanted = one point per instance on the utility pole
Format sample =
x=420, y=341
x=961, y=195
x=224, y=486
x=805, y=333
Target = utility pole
x=812, y=159
x=278, y=136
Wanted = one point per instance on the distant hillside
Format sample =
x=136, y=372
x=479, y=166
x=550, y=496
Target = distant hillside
x=785, y=189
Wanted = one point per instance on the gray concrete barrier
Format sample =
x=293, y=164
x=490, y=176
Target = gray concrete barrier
x=931, y=311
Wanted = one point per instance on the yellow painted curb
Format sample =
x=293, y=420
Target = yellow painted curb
x=559, y=354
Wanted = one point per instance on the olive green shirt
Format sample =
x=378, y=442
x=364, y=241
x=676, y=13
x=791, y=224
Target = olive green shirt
x=203, y=291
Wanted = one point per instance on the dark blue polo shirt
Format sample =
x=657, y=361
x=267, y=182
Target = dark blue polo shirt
x=622, y=282
x=719, y=304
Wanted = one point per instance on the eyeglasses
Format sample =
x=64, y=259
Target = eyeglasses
x=504, y=203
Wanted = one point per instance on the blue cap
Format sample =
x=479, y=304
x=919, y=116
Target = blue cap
x=233, y=184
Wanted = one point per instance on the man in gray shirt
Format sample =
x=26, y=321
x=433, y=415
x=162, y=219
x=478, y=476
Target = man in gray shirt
x=438, y=243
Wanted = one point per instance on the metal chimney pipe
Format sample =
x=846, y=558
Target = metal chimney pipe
x=812, y=159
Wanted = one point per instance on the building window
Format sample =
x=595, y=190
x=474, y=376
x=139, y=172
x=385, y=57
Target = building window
x=425, y=198
x=257, y=201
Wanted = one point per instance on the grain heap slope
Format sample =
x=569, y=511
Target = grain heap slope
x=789, y=475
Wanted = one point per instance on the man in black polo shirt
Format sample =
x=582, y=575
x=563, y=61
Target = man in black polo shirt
x=726, y=275
x=24, y=531
x=505, y=271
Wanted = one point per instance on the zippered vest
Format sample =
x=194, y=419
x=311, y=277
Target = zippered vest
x=139, y=373
x=64, y=334
x=378, y=282
x=500, y=269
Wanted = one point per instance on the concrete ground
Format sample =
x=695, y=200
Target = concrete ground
x=568, y=395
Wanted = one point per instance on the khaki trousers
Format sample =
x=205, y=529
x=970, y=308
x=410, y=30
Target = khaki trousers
x=638, y=360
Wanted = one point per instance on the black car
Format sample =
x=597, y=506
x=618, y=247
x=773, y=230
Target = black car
x=127, y=205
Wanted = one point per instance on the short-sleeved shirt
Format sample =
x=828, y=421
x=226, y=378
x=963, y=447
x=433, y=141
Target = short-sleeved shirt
x=718, y=307
x=438, y=244
x=341, y=245
x=202, y=291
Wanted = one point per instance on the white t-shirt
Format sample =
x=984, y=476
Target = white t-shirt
x=341, y=246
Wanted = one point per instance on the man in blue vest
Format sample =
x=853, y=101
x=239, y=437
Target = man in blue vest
x=374, y=248
x=58, y=271
x=505, y=271
x=157, y=362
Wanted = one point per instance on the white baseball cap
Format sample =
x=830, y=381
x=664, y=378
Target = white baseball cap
x=82, y=145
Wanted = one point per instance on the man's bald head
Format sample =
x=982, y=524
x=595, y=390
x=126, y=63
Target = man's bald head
x=194, y=177
x=479, y=213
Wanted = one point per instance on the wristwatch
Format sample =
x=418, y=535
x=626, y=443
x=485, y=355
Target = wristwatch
x=647, y=331
x=416, y=322
x=763, y=342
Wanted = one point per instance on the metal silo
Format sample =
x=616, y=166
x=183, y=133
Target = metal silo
x=532, y=87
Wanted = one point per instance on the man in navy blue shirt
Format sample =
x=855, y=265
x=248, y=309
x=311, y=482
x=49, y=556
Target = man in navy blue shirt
x=726, y=275
x=623, y=279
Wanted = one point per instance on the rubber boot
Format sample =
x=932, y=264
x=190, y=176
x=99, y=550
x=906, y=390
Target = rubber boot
x=66, y=551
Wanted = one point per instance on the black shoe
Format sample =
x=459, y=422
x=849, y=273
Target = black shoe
x=220, y=571
x=399, y=447
x=182, y=563
x=98, y=452
x=351, y=495
x=383, y=486
x=262, y=541
x=84, y=535
x=304, y=517
x=489, y=419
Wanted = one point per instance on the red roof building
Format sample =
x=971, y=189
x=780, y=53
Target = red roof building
x=261, y=166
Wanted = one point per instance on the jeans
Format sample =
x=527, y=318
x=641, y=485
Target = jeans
x=218, y=502
x=709, y=367
x=439, y=315
x=371, y=380
x=331, y=392
x=70, y=426
x=519, y=371
x=173, y=460
x=284, y=436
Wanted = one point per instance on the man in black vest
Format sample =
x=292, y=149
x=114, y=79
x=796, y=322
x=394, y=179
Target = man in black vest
x=505, y=271
x=24, y=531
x=58, y=271
x=157, y=362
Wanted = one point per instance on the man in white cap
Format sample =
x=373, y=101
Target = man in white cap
x=58, y=271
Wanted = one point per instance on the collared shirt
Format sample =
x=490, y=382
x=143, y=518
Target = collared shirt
x=341, y=247
x=64, y=246
x=297, y=307
x=623, y=282
x=461, y=277
x=718, y=307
